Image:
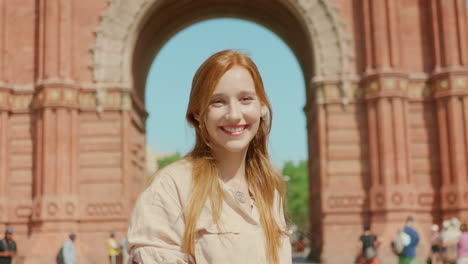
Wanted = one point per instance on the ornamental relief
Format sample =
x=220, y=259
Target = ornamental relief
x=404, y=199
x=104, y=209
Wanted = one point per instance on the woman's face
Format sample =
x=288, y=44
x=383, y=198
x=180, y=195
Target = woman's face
x=234, y=112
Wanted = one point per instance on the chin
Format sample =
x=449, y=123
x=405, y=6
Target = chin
x=236, y=147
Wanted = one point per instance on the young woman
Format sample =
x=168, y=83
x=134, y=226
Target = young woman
x=223, y=202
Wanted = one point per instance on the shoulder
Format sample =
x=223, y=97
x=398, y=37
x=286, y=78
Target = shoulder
x=178, y=173
x=409, y=229
x=180, y=170
x=174, y=178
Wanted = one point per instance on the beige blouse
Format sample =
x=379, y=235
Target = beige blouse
x=157, y=227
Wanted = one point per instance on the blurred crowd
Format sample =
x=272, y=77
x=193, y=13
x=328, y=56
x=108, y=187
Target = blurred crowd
x=449, y=245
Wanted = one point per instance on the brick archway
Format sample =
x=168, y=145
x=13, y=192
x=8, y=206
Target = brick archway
x=311, y=28
x=132, y=32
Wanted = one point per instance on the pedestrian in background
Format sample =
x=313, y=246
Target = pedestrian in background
x=436, y=241
x=462, y=257
x=7, y=247
x=67, y=254
x=450, y=241
x=369, y=244
x=113, y=248
x=408, y=255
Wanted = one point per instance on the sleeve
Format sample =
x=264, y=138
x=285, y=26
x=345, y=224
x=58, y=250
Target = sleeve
x=156, y=227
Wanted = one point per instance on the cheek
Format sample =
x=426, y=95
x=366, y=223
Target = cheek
x=252, y=113
x=213, y=116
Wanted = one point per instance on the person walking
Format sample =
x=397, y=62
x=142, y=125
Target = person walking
x=113, y=248
x=450, y=241
x=369, y=245
x=7, y=247
x=408, y=255
x=462, y=254
x=67, y=254
x=436, y=241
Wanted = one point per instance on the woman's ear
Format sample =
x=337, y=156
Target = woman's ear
x=196, y=116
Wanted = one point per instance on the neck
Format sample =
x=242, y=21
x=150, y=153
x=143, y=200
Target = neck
x=231, y=165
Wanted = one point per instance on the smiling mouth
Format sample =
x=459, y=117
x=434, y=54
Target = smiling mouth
x=234, y=130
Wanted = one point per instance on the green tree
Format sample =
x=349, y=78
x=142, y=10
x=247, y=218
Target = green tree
x=297, y=193
x=164, y=161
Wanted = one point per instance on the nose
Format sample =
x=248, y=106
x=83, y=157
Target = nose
x=233, y=112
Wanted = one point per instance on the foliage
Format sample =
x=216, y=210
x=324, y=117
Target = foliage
x=164, y=161
x=297, y=193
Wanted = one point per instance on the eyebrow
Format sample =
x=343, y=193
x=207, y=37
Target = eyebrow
x=253, y=93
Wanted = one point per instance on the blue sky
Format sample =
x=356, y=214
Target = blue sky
x=169, y=81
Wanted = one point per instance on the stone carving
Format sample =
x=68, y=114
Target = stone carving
x=70, y=96
x=397, y=198
x=380, y=199
x=53, y=95
x=104, y=209
x=373, y=86
x=461, y=83
x=52, y=209
x=69, y=209
x=21, y=102
x=425, y=199
x=346, y=201
x=23, y=211
x=451, y=198
x=87, y=100
x=389, y=84
x=443, y=84
x=114, y=99
x=419, y=90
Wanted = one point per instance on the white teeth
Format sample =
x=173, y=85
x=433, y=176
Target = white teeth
x=234, y=129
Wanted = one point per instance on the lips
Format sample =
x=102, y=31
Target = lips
x=234, y=130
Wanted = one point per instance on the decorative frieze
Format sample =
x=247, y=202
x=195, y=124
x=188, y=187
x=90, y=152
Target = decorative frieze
x=345, y=201
x=450, y=83
x=55, y=208
x=461, y=83
x=402, y=200
x=87, y=100
x=385, y=86
x=68, y=97
x=419, y=90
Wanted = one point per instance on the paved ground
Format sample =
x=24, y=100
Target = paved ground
x=301, y=260
x=299, y=257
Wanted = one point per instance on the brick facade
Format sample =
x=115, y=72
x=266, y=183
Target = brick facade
x=387, y=113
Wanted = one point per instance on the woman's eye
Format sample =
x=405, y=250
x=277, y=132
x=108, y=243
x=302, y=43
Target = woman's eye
x=217, y=102
x=247, y=98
